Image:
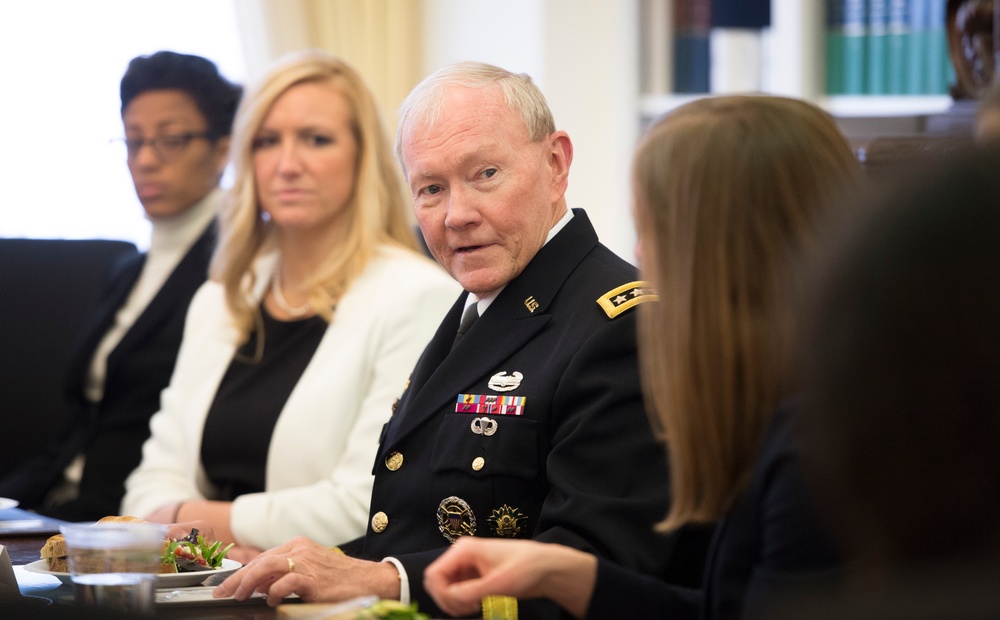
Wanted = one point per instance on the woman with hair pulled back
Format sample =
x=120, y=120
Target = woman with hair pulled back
x=729, y=194
x=317, y=309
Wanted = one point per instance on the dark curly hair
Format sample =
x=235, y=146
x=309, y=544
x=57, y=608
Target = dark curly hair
x=215, y=96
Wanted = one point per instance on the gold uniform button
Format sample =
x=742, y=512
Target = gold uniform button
x=478, y=463
x=394, y=461
x=380, y=522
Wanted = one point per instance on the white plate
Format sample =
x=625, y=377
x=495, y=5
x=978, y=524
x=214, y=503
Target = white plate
x=174, y=580
x=6, y=503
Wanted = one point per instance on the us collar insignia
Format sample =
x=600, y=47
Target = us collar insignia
x=620, y=299
x=506, y=522
x=502, y=382
x=490, y=403
x=455, y=518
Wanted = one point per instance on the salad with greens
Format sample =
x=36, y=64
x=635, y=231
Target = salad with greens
x=392, y=610
x=192, y=553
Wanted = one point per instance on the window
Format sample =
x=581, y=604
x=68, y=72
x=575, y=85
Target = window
x=62, y=63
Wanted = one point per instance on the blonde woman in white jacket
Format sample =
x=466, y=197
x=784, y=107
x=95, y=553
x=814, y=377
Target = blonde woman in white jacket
x=293, y=353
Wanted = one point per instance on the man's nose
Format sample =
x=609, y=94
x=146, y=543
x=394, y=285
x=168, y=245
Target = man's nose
x=463, y=209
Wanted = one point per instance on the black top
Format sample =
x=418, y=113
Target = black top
x=241, y=420
x=767, y=546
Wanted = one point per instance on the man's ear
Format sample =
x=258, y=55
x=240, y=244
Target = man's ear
x=560, y=159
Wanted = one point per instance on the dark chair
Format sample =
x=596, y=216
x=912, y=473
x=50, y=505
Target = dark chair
x=49, y=288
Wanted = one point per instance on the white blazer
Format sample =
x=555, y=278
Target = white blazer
x=318, y=480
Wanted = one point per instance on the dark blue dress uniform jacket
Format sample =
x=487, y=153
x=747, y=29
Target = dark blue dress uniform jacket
x=578, y=466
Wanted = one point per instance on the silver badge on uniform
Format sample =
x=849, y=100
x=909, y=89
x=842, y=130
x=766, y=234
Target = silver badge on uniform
x=484, y=426
x=502, y=382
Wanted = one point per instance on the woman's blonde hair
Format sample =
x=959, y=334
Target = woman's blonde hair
x=378, y=210
x=729, y=191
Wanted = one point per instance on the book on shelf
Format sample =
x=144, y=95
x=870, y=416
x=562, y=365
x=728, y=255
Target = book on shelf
x=717, y=44
x=878, y=47
x=741, y=14
x=886, y=47
x=692, y=47
x=898, y=47
x=846, y=47
x=936, y=59
x=916, y=70
x=737, y=45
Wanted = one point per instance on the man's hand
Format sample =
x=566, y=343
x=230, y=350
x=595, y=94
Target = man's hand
x=314, y=572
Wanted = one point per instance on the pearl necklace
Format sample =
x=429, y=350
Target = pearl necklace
x=279, y=298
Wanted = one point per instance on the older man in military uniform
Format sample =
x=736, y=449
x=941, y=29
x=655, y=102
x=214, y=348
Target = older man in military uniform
x=523, y=417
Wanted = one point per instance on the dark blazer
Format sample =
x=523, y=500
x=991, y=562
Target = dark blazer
x=768, y=545
x=577, y=464
x=111, y=433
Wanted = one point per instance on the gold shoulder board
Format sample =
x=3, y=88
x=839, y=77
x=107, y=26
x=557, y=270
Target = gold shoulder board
x=620, y=299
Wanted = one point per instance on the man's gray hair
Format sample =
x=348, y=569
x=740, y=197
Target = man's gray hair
x=519, y=93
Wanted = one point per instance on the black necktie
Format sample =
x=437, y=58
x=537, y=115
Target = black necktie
x=468, y=318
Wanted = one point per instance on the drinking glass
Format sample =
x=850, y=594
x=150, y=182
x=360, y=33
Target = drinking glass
x=114, y=565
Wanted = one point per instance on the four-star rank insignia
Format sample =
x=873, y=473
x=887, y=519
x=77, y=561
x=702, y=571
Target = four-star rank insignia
x=620, y=299
x=506, y=522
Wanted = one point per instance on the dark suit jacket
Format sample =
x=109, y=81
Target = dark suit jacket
x=768, y=544
x=111, y=433
x=578, y=465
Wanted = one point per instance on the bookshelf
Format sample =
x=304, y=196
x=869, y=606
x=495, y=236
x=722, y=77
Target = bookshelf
x=787, y=58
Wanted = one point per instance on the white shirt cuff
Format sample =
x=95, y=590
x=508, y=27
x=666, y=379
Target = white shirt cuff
x=404, y=581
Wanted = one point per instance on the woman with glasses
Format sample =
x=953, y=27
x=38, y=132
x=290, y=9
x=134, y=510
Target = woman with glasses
x=296, y=349
x=177, y=112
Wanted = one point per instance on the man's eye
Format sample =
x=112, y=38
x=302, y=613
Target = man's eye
x=489, y=172
x=432, y=189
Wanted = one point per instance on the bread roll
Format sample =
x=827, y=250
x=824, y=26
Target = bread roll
x=125, y=519
x=54, y=551
x=54, y=554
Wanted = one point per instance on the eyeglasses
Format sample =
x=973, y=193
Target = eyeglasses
x=167, y=147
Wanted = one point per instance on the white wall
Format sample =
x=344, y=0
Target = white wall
x=583, y=54
x=62, y=63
